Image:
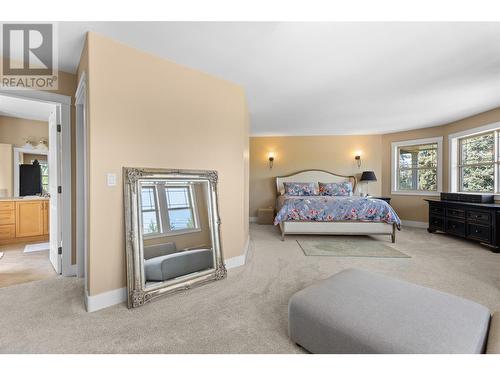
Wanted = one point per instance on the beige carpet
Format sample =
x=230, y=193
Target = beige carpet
x=247, y=313
x=349, y=246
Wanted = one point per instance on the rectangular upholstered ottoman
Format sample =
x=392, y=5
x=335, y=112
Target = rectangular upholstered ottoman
x=357, y=311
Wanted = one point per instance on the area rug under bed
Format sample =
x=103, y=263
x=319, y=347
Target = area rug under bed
x=349, y=247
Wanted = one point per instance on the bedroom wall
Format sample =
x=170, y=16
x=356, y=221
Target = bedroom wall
x=413, y=207
x=292, y=154
x=145, y=111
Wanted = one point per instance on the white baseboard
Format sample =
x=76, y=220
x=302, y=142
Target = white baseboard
x=414, y=224
x=106, y=299
x=239, y=260
x=253, y=219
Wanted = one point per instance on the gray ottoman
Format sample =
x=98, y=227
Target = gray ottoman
x=174, y=265
x=356, y=311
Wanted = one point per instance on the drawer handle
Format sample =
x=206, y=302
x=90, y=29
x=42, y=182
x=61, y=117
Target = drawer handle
x=477, y=230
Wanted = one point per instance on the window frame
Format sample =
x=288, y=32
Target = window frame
x=162, y=210
x=156, y=210
x=395, y=166
x=456, y=165
x=191, y=206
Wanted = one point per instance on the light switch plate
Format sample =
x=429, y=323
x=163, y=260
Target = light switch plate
x=111, y=177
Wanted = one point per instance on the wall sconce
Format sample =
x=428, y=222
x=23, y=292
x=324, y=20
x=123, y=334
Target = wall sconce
x=271, y=159
x=358, y=158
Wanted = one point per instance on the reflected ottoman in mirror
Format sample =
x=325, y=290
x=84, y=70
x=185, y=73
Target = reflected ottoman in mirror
x=172, y=231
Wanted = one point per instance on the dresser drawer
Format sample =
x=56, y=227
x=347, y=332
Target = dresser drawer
x=455, y=227
x=7, y=217
x=7, y=206
x=7, y=232
x=479, y=216
x=455, y=212
x=436, y=222
x=436, y=210
x=479, y=232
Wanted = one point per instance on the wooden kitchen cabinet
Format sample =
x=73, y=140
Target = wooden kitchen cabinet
x=46, y=217
x=23, y=220
x=29, y=218
x=7, y=221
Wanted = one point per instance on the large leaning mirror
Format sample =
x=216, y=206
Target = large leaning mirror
x=172, y=231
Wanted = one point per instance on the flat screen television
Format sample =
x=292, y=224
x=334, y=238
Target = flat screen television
x=30, y=179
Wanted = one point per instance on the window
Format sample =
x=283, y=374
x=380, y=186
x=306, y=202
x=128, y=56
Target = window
x=180, y=208
x=417, y=166
x=44, y=168
x=168, y=209
x=475, y=160
x=476, y=168
x=149, y=208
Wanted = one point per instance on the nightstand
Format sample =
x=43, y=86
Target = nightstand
x=265, y=216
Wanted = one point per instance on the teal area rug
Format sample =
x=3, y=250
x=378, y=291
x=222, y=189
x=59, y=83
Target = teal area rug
x=349, y=247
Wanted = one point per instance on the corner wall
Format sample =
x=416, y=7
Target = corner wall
x=148, y=112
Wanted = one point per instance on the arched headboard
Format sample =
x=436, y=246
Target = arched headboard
x=313, y=175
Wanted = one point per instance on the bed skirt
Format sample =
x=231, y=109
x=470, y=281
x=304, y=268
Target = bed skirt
x=337, y=228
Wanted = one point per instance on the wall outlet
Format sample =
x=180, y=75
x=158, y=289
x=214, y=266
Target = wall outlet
x=111, y=178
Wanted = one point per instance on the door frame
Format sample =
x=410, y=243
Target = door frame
x=63, y=104
x=82, y=189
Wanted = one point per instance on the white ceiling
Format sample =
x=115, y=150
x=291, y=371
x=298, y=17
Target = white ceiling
x=328, y=78
x=23, y=108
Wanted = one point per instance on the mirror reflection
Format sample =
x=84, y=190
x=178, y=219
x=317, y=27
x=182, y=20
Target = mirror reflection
x=176, y=229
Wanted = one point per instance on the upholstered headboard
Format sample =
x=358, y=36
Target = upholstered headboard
x=313, y=175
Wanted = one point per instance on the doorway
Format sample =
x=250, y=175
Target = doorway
x=39, y=202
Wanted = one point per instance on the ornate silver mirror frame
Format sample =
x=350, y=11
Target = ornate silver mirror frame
x=138, y=293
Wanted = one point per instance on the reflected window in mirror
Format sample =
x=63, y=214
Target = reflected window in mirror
x=168, y=209
x=181, y=207
x=149, y=208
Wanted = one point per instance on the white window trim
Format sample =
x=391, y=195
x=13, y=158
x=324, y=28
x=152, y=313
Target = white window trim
x=395, y=161
x=453, y=153
x=161, y=201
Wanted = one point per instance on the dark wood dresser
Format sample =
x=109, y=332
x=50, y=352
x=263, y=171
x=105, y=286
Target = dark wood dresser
x=474, y=221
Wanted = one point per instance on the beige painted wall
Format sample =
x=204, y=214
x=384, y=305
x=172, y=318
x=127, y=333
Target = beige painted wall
x=414, y=207
x=292, y=154
x=6, y=173
x=16, y=130
x=148, y=112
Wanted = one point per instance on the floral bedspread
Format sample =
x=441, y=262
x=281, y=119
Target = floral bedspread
x=328, y=208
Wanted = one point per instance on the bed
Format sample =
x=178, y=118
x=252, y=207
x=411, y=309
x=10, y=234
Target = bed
x=331, y=215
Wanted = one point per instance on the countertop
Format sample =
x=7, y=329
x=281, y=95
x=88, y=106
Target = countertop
x=27, y=198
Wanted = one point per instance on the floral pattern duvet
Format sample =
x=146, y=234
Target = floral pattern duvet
x=328, y=208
